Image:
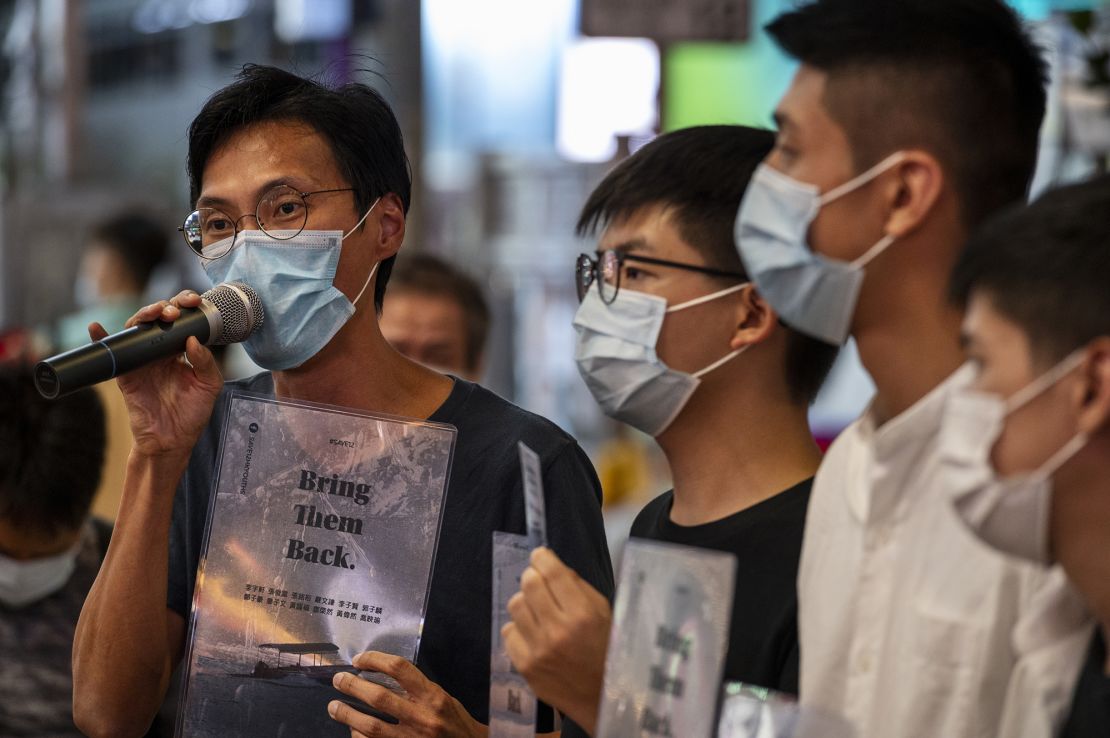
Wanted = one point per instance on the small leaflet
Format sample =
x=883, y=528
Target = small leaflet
x=512, y=704
x=535, y=516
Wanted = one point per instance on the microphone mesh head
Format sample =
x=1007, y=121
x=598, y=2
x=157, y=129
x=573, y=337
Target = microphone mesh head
x=240, y=310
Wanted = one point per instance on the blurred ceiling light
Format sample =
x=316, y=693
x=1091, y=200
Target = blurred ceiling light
x=608, y=87
x=311, y=20
x=490, y=72
x=218, y=11
x=156, y=16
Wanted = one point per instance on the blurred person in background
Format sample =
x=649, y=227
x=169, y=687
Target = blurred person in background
x=674, y=340
x=1028, y=441
x=436, y=315
x=116, y=265
x=121, y=255
x=50, y=548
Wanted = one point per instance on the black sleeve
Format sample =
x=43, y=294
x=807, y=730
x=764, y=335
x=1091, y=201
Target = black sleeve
x=788, y=677
x=1089, y=715
x=575, y=530
x=571, y=730
x=190, y=515
x=179, y=584
x=190, y=511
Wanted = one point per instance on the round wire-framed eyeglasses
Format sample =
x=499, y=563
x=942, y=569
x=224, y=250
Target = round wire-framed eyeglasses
x=281, y=214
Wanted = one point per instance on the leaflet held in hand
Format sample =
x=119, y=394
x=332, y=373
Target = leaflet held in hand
x=320, y=544
x=668, y=641
x=535, y=515
x=512, y=703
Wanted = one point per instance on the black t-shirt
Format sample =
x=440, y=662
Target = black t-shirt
x=1089, y=716
x=484, y=495
x=767, y=541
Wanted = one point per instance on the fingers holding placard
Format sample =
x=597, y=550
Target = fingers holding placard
x=558, y=635
x=424, y=710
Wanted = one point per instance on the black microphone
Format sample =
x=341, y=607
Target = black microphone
x=228, y=313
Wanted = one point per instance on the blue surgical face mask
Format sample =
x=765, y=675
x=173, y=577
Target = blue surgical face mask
x=294, y=279
x=812, y=293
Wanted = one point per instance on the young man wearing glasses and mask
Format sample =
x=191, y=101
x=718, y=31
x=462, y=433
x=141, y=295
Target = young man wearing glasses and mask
x=302, y=192
x=674, y=340
x=906, y=125
x=1026, y=449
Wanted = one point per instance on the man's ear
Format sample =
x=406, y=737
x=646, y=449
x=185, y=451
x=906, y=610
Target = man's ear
x=912, y=192
x=755, y=320
x=391, y=232
x=1093, y=393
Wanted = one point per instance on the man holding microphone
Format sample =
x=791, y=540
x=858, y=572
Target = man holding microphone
x=275, y=151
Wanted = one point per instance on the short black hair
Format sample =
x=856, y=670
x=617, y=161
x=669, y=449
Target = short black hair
x=427, y=274
x=701, y=174
x=961, y=79
x=1046, y=267
x=51, y=453
x=353, y=118
x=139, y=239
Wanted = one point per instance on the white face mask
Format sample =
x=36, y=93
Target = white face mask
x=811, y=293
x=615, y=353
x=25, y=582
x=1010, y=514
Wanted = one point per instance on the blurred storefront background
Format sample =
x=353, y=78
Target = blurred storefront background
x=512, y=112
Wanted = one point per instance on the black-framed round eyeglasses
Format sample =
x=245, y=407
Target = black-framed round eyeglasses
x=281, y=213
x=606, y=271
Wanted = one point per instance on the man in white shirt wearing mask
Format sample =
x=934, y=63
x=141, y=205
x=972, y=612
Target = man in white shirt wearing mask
x=1026, y=445
x=674, y=341
x=905, y=126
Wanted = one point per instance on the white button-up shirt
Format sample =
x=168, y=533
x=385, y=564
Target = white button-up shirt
x=906, y=620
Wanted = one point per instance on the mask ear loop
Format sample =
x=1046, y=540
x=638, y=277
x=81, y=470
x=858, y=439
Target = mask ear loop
x=869, y=255
x=1031, y=391
x=364, y=217
x=373, y=269
x=855, y=183
x=861, y=179
x=707, y=298
x=720, y=362
x=1034, y=389
x=366, y=284
x=1061, y=457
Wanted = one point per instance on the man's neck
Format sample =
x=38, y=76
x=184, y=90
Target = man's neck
x=734, y=448
x=359, y=369
x=911, y=349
